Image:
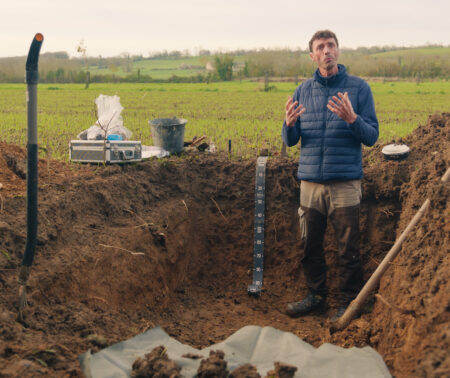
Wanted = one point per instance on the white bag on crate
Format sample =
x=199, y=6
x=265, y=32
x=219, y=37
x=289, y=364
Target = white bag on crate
x=109, y=120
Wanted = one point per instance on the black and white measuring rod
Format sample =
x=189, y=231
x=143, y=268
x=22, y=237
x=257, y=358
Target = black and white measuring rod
x=258, y=245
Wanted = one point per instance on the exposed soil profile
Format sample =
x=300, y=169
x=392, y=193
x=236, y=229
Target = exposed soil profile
x=124, y=248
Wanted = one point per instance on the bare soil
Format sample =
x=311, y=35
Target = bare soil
x=124, y=248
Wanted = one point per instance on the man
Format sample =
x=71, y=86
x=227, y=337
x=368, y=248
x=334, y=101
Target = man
x=332, y=114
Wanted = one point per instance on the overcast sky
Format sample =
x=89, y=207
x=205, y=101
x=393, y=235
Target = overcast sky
x=139, y=27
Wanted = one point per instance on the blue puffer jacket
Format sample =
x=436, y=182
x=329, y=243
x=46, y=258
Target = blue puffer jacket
x=330, y=147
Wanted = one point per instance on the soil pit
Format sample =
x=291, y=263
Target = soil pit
x=124, y=248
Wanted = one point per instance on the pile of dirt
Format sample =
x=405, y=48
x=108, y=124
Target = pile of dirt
x=418, y=279
x=124, y=248
x=13, y=168
x=155, y=364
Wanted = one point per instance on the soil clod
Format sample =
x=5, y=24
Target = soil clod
x=155, y=364
x=245, y=371
x=282, y=370
x=214, y=366
x=192, y=356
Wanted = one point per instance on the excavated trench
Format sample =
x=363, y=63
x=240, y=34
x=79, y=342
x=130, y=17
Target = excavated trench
x=139, y=248
x=124, y=248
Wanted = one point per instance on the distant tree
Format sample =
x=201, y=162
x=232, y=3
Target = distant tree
x=59, y=75
x=50, y=77
x=82, y=50
x=224, y=67
x=127, y=63
x=246, y=71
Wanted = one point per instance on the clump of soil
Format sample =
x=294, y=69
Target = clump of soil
x=282, y=370
x=214, y=366
x=192, y=356
x=245, y=371
x=155, y=364
x=124, y=248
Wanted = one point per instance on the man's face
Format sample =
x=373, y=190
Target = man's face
x=325, y=53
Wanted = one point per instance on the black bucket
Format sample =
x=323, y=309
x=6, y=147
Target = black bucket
x=168, y=133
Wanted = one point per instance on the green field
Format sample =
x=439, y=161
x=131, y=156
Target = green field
x=162, y=68
x=242, y=112
x=443, y=52
x=158, y=68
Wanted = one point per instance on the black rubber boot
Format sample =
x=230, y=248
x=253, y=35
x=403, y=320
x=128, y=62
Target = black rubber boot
x=312, y=302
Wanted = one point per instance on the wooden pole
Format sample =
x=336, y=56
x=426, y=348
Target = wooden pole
x=355, y=305
x=446, y=176
x=283, y=150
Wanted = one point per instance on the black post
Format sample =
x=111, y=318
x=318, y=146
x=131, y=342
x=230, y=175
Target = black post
x=32, y=78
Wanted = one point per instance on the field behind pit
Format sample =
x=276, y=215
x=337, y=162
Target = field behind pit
x=240, y=111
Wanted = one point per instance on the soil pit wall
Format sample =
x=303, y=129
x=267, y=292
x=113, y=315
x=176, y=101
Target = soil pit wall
x=121, y=249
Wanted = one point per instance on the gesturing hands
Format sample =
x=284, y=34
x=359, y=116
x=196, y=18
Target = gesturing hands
x=293, y=112
x=342, y=107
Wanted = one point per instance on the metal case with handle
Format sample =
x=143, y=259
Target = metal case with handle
x=105, y=151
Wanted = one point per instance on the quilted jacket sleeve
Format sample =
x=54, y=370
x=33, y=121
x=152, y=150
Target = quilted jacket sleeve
x=291, y=135
x=365, y=128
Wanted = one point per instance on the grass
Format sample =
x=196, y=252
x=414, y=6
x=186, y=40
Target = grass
x=242, y=112
x=436, y=51
x=162, y=68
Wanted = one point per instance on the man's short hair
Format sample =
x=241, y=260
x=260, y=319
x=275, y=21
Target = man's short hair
x=322, y=34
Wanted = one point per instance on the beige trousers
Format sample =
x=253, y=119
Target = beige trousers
x=325, y=198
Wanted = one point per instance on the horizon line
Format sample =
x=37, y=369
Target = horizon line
x=191, y=53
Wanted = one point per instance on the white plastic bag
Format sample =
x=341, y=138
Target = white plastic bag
x=109, y=120
x=154, y=151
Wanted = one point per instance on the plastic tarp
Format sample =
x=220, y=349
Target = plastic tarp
x=259, y=346
x=154, y=151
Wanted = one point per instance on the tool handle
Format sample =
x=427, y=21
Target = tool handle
x=33, y=57
x=369, y=287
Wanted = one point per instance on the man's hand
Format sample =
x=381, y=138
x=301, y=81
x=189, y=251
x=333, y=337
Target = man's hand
x=342, y=107
x=293, y=112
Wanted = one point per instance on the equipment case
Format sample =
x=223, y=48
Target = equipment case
x=105, y=151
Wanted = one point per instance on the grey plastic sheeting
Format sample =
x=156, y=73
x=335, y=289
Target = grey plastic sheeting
x=252, y=344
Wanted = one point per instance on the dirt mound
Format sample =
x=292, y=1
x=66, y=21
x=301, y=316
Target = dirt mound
x=124, y=248
x=418, y=279
x=13, y=167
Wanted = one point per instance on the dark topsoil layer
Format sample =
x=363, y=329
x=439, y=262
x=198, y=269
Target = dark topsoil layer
x=191, y=220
